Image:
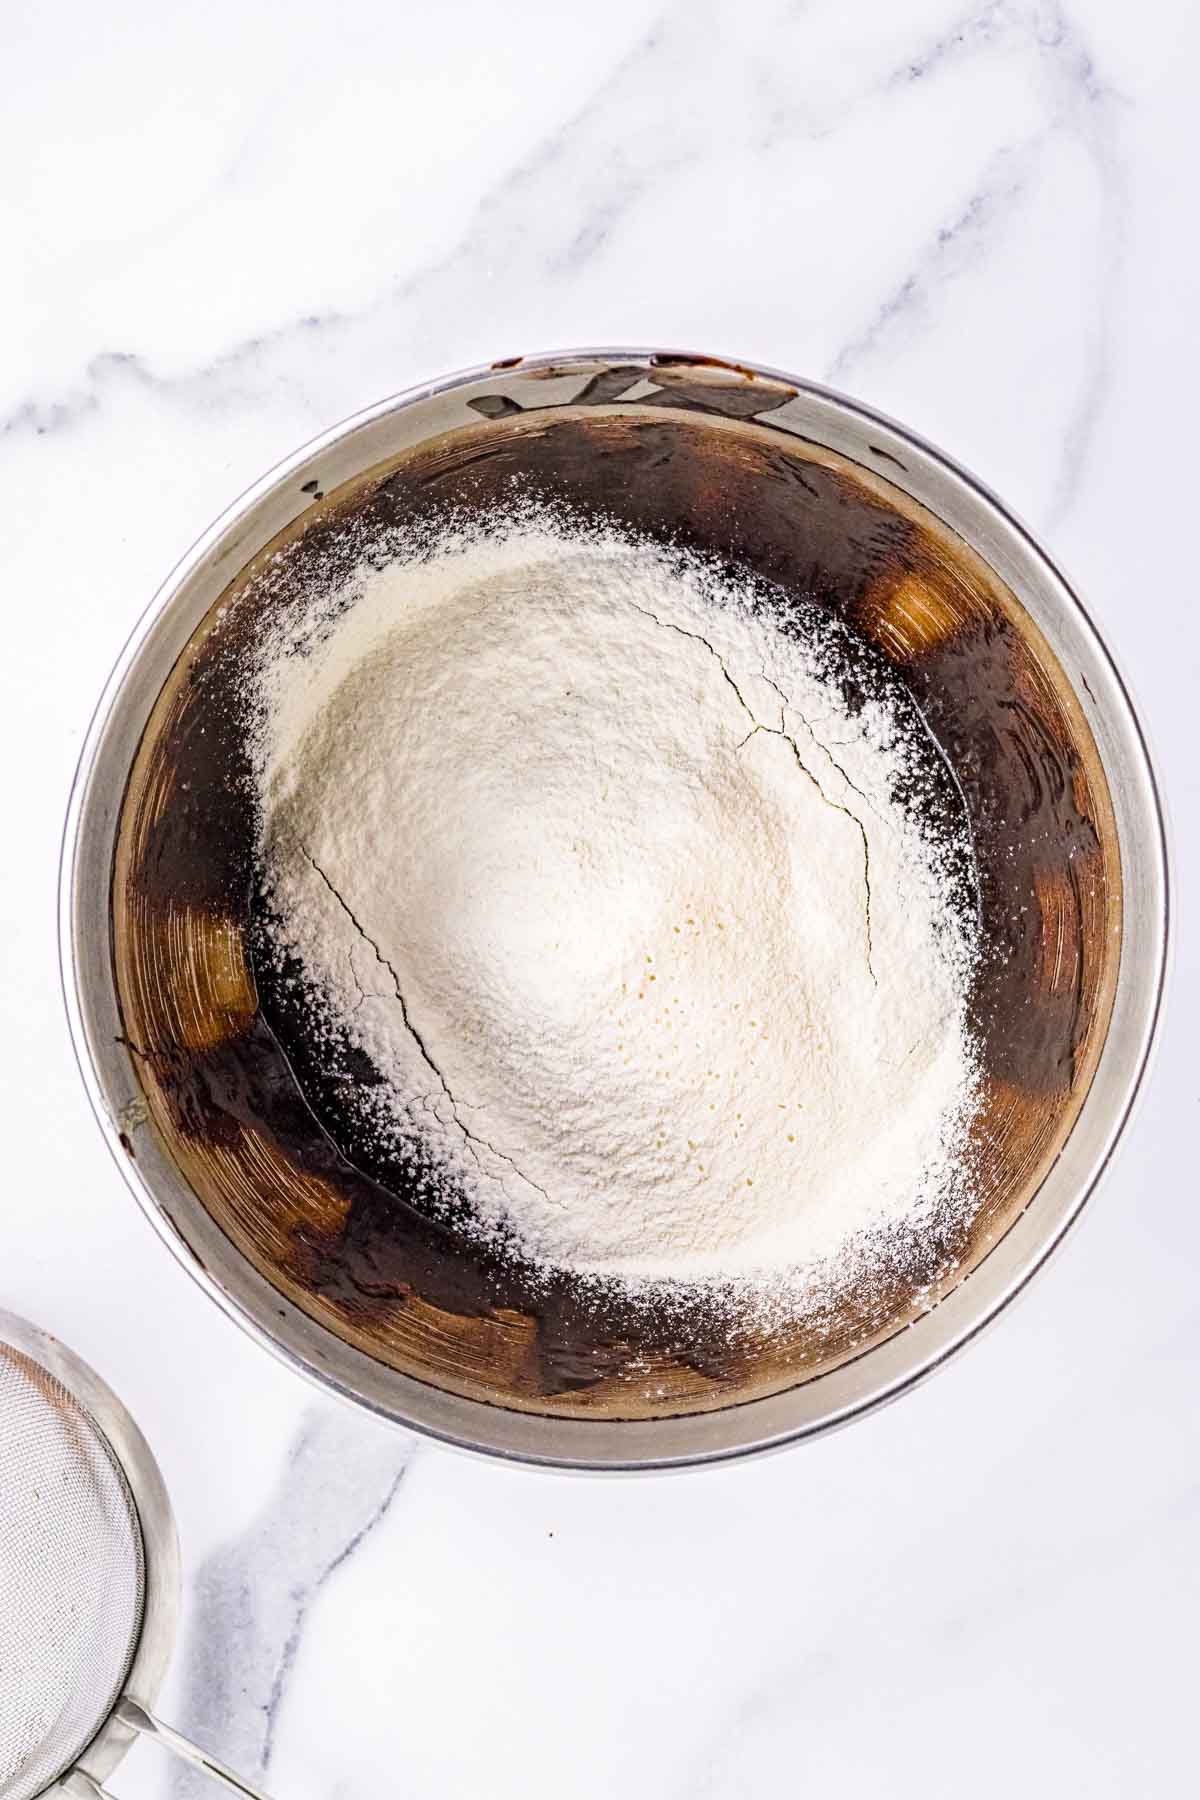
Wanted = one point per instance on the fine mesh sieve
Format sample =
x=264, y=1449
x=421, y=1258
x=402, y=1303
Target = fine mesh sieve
x=88, y=1577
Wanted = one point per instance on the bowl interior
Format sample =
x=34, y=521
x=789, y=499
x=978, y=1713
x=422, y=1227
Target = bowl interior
x=696, y=459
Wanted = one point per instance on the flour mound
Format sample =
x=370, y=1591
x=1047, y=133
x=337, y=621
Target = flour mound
x=595, y=864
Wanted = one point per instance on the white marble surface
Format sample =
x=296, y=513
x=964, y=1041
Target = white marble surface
x=227, y=226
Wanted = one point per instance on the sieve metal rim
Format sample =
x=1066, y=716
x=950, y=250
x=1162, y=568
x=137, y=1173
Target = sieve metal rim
x=155, y=1520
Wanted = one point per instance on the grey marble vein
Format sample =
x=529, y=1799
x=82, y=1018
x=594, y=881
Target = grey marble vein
x=1078, y=102
x=1095, y=110
x=556, y=208
x=958, y=245
x=650, y=115
x=569, y=160
x=249, y=368
x=974, y=30
x=253, y=1597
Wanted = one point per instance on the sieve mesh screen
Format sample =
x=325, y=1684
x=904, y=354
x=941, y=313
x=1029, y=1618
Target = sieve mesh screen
x=71, y=1577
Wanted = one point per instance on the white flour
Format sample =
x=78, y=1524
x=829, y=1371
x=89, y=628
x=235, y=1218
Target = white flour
x=596, y=866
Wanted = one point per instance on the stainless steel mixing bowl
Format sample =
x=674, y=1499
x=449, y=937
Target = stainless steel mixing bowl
x=798, y=419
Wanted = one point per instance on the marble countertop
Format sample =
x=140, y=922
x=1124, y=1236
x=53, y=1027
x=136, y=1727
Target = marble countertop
x=229, y=226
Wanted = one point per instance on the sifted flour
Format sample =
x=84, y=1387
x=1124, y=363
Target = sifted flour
x=595, y=864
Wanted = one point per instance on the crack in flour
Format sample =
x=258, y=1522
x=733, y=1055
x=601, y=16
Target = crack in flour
x=518, y=750
x=471, y=1137
x=756, y=725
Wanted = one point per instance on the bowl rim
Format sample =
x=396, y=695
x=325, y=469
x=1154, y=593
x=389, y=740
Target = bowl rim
x=1153, y=923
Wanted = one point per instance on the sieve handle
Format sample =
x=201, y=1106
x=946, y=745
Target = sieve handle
x=138, y=1719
